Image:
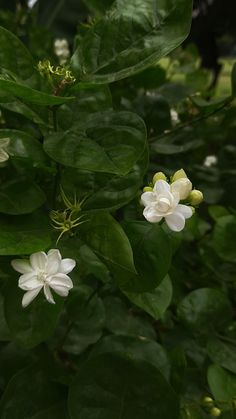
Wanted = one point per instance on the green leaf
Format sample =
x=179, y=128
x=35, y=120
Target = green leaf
x=24, y=146
x=121, y=321
x=222, y=353
x=121, y=389
x=152, y=252
x=109, y=142
x=131, y=37
x=102, y=190
x=154, y=302
x=31, y=95
x=14, y=56
x=224, y=238
x=23, y=235
x=98, y=6
x=4, y=330
x=93, y=264
x=204, y=309
x=221, y=383
x=164, y=146
x=20, y=196
x=136, y=348
x=25, y=324
x=24, y=400
x=87, y=315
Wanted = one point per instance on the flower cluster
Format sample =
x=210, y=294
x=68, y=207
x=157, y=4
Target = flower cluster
x=162, y=200
x=44, y=271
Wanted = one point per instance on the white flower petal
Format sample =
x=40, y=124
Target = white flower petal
x=148, y=198
x=29, y=296
x=4, y=142
x=21, y=265
x=53, y=262
x=29, y=281
x=38, y=260
x=161, y=187
x=175, y=221
x=60, y=290
x=67, y=265
x=48, y=294
x=182, y=186
x=61, y=280
x=3, y=156
x=152, y=215
x=184, y=210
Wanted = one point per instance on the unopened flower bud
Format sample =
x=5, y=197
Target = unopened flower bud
x=215, y=412
x=182, y=186
x=195, y=197
x=207, y=401
x=179, y=175
x=159, y=176
x=147, y=189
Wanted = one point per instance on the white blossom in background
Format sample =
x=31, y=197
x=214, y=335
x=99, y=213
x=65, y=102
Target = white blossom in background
x=210, y=161
x=61, y=49
x=31, y=3
x=4, y=142
x=44, y=271
x=163, y=202
x=174, y=117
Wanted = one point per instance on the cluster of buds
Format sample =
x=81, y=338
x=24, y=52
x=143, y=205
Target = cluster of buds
x=68, y=219
x=57, y=77
x=210, y=406
x=161, y=199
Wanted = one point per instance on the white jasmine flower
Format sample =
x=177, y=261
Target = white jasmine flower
x=61, y=49
x=4, y=142
x=174, y=117
x=182, y=186
x=210, y=161
x=44, y=271
x=163, y=202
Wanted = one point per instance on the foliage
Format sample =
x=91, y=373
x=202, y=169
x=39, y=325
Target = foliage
x=148, y=330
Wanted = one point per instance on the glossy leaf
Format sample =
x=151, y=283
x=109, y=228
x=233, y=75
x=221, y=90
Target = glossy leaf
x=205, y=309
x=136, y=348
x=105, y=142
x=25, y=324
x=154, y=302
x=222, y=383
x=224, y=236
x=222, y=353
x=131, y=37
x=121, y=389
x=23, y=235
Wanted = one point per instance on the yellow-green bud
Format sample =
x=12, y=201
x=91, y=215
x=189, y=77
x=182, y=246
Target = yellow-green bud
x=207, y=401
x=195, y=197
x=178, y=175
x=159, y=176
x=215, y=412
x=147, y=189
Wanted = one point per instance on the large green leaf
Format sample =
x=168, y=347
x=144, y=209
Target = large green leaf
x=121, y=321
x=102, y=190
x=222, y=353
x=222, y=383
x=204, y=309
x=87, y=317
x=24, y=146
x=14, y=56
x=110, y=386
x=23, y=235
x=25, y=324
x=132, y=36
x=20, y=196
x=134, y=348
x=152, y=252
x=31, y=95
x=29, y=392
x=154, y=302
x=224, y=237
x=109, y=142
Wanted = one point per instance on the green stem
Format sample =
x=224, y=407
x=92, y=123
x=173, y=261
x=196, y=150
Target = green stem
x=58, y=174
